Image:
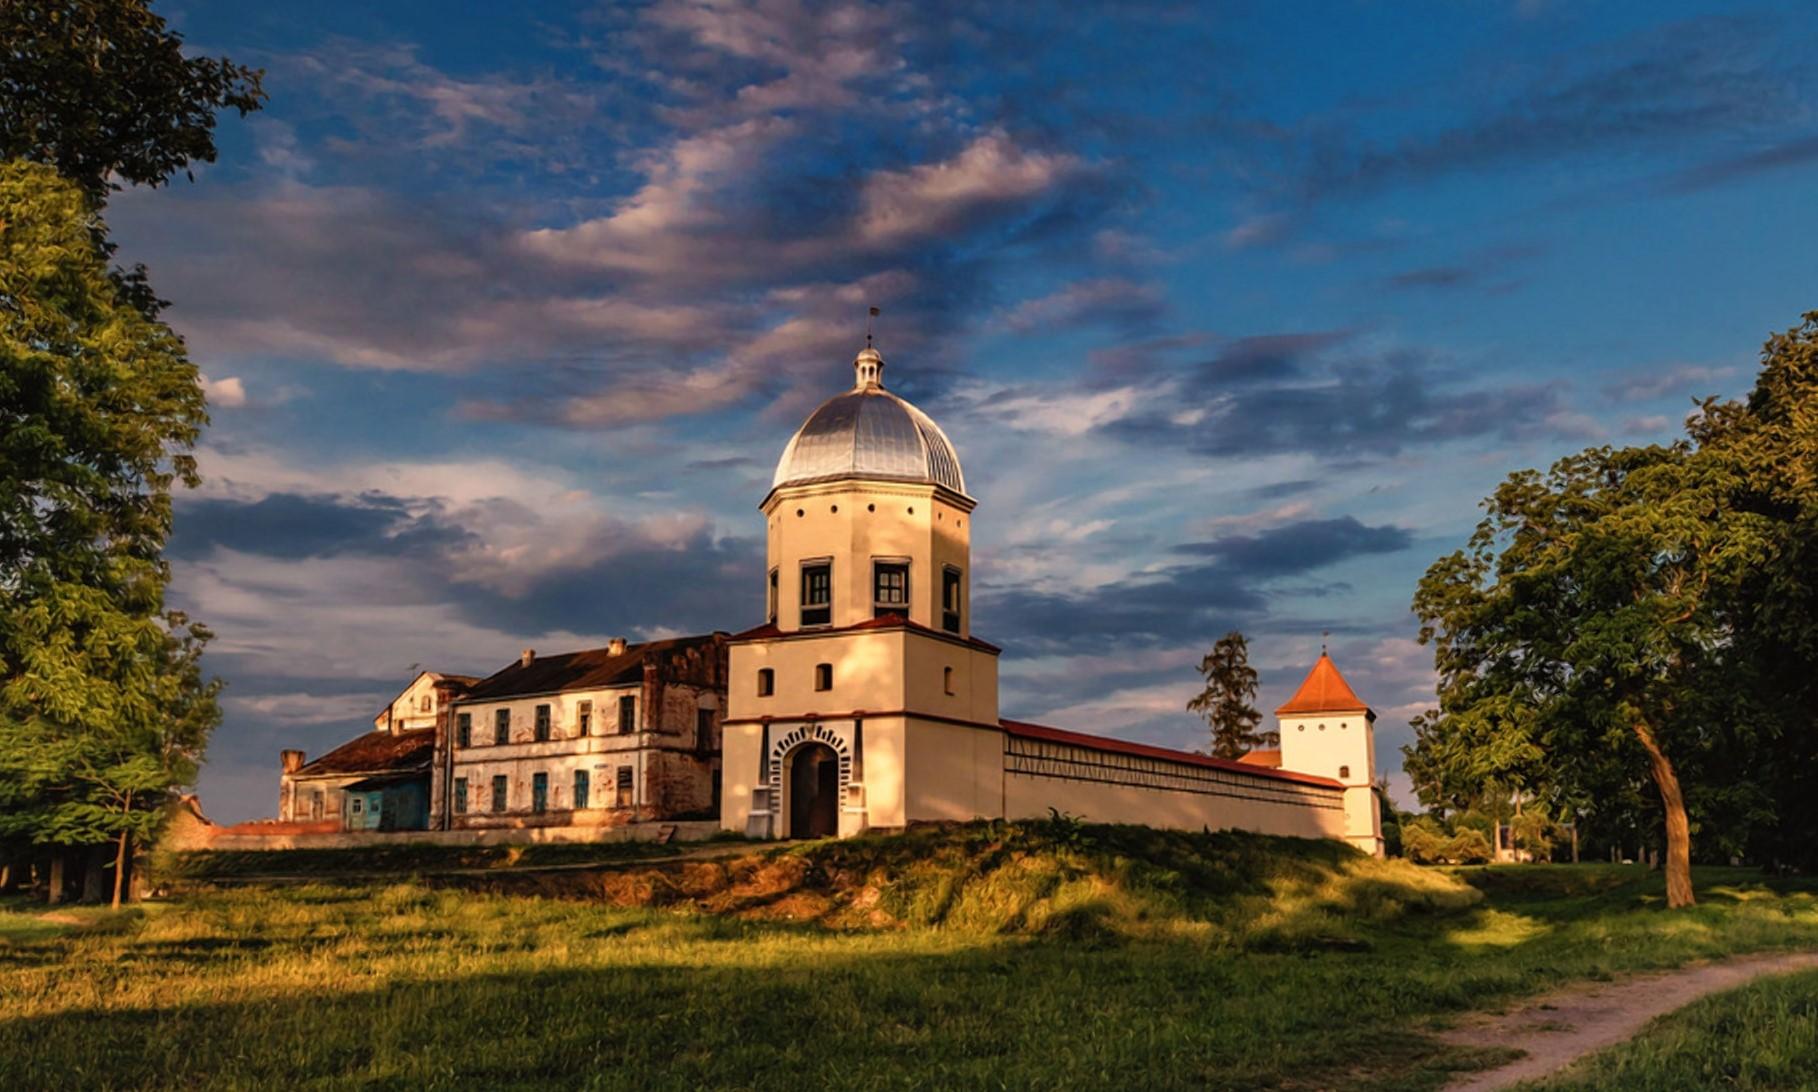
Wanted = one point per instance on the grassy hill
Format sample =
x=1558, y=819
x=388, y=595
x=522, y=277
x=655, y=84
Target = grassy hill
x=1056, y=878
x=1044, y=955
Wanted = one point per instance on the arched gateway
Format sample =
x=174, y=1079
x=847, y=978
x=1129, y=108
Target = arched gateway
x=814, y=791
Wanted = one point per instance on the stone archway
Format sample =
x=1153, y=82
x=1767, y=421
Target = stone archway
x=813, y=776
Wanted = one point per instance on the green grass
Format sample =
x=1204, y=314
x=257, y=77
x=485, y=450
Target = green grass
x=1762, y=1036
x=218, y=866
x=1035, y=956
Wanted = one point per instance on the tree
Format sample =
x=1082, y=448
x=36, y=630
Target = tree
x=103, y=710
x=1580, y=635
x=1226, y=701
x=101, y=89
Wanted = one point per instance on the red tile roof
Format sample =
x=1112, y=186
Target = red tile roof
x=1144, y=750
x=1270, y=757
x=1324, y=691
x=587, y=669
x=377, y=752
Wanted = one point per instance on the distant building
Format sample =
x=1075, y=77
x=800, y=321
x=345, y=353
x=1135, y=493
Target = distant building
x=392, y=765
x=599, y=737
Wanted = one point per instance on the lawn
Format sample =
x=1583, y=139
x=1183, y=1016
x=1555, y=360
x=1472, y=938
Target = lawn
x=1095, y=957
x=1762, y=1036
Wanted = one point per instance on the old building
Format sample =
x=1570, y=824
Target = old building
x=604, y=736
x=390, y=766
x=864, y=701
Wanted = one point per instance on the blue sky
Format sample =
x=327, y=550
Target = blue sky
x=1233, y=311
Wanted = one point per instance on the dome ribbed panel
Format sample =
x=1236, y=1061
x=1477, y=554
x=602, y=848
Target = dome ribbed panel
x=869, y=434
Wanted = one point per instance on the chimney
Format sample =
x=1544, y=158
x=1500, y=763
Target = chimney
x=292, y=760
x=615, y=647
x=526, y=656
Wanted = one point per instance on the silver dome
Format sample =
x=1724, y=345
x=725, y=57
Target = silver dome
x=868, y=432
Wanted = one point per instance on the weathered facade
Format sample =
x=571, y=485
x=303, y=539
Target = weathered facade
x=865, y=702
x=405, y=744
x=602, y=737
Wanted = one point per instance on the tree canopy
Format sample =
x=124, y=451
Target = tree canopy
x=101, y=88
x=1640, y=615
x=103, y=711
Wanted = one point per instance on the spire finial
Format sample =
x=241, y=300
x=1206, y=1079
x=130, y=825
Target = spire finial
x=1324, y=635
x=868, y=366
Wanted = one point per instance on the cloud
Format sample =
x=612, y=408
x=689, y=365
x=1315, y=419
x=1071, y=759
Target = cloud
x=227, y=393
x=1777, y=157
x=990, y=175
x=1647, y=384
x=1300, y=547
x=1114, y=300
x=1676, y=82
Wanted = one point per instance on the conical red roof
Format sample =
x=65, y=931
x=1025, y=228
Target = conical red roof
x=1324, y=691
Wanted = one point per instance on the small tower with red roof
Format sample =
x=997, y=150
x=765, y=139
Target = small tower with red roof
x=1327, y=730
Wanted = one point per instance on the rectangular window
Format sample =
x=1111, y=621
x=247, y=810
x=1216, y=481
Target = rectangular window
x=817, y=593
x=501, y=727
x=889, y=587
x=770, y=603
x=823, y=676
x=703, y=729
x=580, y=789
x=500, y=790
x=766, y=682
x=464, y=730
x=624, y=787
x=542, y=724
x=628, y=713
x=539, y=793
x=585, y=718
x=460, y=796
x=950, y=599
x=425, y=705
x=355, y=803
x=947, y=679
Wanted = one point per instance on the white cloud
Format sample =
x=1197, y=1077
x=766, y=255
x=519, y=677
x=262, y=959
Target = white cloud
x=938, y=197
x=227, y=393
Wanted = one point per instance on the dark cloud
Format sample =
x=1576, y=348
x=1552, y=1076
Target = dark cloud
x=1795, y=153
x=1678, y=82
x=1324, y=395
x=1182, y=603
x=292, y=526
x=1300, y=547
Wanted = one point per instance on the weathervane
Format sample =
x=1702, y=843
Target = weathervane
x=874, y=313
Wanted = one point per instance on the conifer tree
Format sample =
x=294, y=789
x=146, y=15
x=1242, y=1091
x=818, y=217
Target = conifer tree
x=1227, y=702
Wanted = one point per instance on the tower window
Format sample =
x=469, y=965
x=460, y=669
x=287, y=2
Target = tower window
x=766, y=682
x=889, y=587
x=947, y=679
x=823, y=676
x=1344, y=772
x=817, y=593
x=950, y=599
x=770, y=603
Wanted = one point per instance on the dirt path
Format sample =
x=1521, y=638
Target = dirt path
x=1561, y=1027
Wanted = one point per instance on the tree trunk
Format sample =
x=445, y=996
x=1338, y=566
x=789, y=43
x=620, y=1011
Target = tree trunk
x=120, y=869
x=94, y=873
x=56, y=876
x=1574, y=839
x=1678, y=827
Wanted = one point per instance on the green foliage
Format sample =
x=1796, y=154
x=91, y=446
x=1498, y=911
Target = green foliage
x=103, y=711
x=101, y=89
x=1425, y=840
x=1228, y=700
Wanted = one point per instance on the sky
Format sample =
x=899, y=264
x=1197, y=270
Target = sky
x=1234, y=313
